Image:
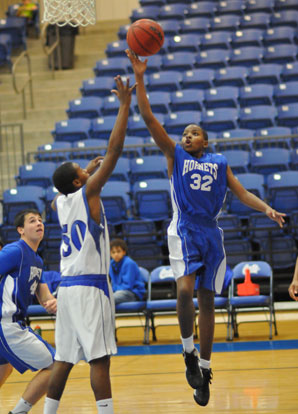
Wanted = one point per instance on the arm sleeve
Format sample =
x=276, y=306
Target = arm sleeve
x=10, y=258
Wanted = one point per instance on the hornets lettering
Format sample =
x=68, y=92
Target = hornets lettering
x=190, y=165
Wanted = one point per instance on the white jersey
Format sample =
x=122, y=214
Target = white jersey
x=85, y=247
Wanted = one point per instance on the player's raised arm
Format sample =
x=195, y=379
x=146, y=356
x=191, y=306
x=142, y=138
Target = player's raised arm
x=158, y=133
x=252, y=200
x=116, y=141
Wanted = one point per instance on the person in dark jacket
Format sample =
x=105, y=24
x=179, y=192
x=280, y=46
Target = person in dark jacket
x=127, y=282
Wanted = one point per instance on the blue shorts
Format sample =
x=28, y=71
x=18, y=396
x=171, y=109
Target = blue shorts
x=23, y=348
x=197, y=249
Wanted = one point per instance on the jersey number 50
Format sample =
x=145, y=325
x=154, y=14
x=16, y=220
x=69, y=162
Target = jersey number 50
x=77, y=235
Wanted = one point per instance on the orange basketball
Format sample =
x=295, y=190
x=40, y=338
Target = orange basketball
x=145, y=37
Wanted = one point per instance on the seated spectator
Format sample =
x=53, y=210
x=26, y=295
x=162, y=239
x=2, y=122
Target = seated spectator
x=126, y=278
x=27, y=9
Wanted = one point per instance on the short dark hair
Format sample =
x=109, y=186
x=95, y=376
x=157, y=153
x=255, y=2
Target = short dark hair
x=19, y=219
x=205, y=135
x=63, y=178
x=119, y=243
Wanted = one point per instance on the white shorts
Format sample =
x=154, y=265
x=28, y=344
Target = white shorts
x=24, y=349
x=85, y=324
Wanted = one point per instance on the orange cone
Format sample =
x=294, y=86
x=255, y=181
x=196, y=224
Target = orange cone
x=248, y=288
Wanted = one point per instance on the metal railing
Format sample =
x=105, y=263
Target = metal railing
x=28, y=81
x=49, y=50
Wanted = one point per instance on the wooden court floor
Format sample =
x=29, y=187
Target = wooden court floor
x=248, y=381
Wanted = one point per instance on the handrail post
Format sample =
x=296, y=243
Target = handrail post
x=28, y=81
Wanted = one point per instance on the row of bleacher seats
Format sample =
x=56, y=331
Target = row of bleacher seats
x=191, y=99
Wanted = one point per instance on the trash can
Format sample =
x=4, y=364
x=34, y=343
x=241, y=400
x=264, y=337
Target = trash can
x=67, y=35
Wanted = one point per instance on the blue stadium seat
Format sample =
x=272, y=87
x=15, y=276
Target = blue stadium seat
x=225, y=22
x=133, y=152
x=216, y=40
x=286, y=93
x=258, y=116
x=20, y=198
x=222, y=96
x=172, y=11
x=197, y=25
x=289, y=72
x=52, y=235
x=147, y=167
x=111, y=66
x=280, y=54
x=201, y=9
x=170, y=27
x=283, y=142
x=285, y=18
x=116, y=48
x=230, y=7
x=237, y=251
x=286, y=5
x=5, y=50
x=72, y=130
x=116, y=201
x=82, y=150
x=238, y=160
x=52, y=151
x=283, y=190
x=258, y=94
x=139, y=231
x=219, y=119
x=51, y=215
x=82, y=162
x=137, y=127
x=164, y=81
x=279, y=35
x=152, y=199
x=188, y=42
x=122, y=32
x=283, y=255
x=287, y=115
x=231, y=225
x=146, y=12
x=261, y=226
x=259, y=6
x=246, y=56
x=187, y=100
x=37, y=174
x=121, y=171
x=102, y=127
x=265, y=73
x=100, y=86
x=159, y=101
x=247, y=37
x=147, y=255
x=85, y=107
x=178, y=61
x=16, y=28
x=255, y=21
x=176, y=122
x=231, y=76
x=233, y=136
x=9, y=234
x=213, y=58
x=269, y=160
x=197, y=79
x=153, y=65
x=110, y=105
x=145, y=3
x=252, y=182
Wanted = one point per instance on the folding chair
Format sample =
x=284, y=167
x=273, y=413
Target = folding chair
x=261, y=273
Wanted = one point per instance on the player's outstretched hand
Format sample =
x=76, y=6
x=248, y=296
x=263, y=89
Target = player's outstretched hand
x=293, y=290
x=276, y=216
x=94, y=164
x=123, y=91
x=139, y=66
x=50, y=306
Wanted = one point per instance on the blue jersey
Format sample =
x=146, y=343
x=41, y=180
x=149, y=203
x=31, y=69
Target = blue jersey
x=198, y=186
x=21, y=272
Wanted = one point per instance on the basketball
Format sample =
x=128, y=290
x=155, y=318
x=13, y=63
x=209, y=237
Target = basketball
x=145, y=37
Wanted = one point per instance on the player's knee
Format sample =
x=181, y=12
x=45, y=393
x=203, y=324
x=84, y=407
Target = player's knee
x=184, y=295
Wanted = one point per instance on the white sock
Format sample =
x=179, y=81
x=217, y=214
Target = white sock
x=204, y=363
x=105, y=406
x=50, y=406
x=188, y=344
x=22, y=407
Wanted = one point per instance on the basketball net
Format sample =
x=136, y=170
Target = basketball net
x=72, y=12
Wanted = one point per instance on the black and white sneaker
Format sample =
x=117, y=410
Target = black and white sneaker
x=202, y=393
x=193, y=371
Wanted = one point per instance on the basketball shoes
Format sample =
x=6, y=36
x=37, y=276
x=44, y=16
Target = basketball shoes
x=193, y=371
x=202, y=393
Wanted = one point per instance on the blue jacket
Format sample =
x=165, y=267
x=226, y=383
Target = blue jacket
x=126, y=275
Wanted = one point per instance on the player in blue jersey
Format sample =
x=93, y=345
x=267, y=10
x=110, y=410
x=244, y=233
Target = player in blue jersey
x=199, y=183
x=21, y=278
x=85, y=326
